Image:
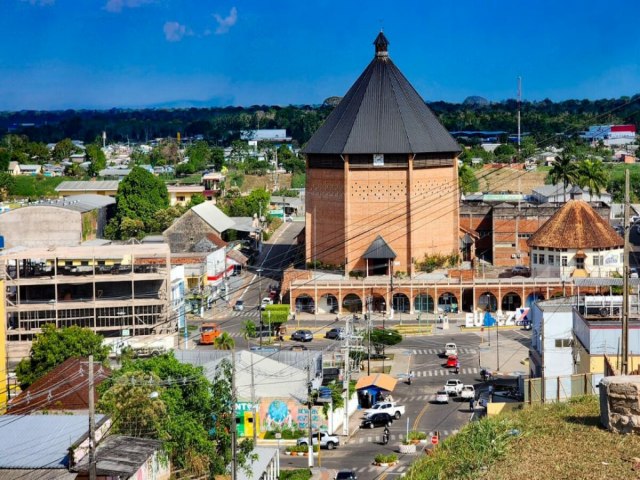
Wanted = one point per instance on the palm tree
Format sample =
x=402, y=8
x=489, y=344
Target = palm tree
x=592, y=175
x=248, y=330
x=224, y=342
x=564, y=170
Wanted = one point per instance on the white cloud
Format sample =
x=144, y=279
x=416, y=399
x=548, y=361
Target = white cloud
x=174, y=31
x=40, y=3
x=116, y=6
x=224, y=24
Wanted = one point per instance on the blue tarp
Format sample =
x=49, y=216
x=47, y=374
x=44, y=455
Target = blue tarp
x=489, y=321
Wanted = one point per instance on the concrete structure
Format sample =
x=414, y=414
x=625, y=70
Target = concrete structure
x=611, y=134
x=116, y=290
x=57, y=223
x=182, y=194
x=178, y=291
x=383, y=166
x=576, y=241
x=619, y=400
x=97, y=187
x=559, y=194
x=213, y=183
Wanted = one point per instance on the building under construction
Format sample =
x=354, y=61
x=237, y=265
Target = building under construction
x=116, y=290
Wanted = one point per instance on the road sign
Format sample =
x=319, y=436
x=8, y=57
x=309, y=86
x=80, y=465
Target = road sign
x=434, y=439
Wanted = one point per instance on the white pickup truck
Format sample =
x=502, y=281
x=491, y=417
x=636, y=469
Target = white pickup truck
x=326, y=441
x=392, y=408
x=453, y=387
x=468, y=392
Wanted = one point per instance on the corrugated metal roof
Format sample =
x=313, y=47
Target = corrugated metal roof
x=215, y=217
x=379, y=249
x=258, y=463
x=44, y=440
x=86, y=186
x=381, y=113
x=120, y=456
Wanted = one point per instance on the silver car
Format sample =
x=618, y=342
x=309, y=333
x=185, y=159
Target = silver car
x=302, y=335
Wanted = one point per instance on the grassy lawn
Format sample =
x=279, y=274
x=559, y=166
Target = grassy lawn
x=558, y=441
x=298, y=474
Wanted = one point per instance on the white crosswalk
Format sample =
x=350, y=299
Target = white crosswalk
x=438, y=351
x=443, y=372
x=398, y=437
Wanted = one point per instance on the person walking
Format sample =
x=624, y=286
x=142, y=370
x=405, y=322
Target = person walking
x=385, y=436
x=471, y=404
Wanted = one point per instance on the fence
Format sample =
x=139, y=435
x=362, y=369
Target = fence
x=558, y=389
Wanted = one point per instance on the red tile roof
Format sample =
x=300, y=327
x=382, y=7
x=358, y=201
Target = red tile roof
x=576, y=226
x=63, y=388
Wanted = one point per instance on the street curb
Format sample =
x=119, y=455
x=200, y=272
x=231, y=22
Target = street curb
x=478, y=329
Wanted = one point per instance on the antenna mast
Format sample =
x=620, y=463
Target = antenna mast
x=519, y=104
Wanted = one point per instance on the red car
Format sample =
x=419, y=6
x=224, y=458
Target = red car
x=452, y=360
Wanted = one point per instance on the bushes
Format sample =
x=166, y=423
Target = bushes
x=301, y=448
x=287, y=433
x=432, y=262
x=382, y=458
x=35, y=187
x=416, y=435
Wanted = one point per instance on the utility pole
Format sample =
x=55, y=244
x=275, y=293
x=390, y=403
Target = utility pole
x=92, y=424
x=369, y=302
x=309, y=405
x=625, y=279
x=253, y=403
x=345, y=384
x=259, y=271
x=234, y=429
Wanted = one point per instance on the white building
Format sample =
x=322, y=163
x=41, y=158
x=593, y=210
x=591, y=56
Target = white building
x=576, y=242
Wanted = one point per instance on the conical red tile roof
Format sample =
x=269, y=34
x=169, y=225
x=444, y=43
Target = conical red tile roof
x=576, y=225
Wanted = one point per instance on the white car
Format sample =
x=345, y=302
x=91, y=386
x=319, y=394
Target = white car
x=265, y=301
x=442, y=397
x=468, y=392
x=450, y=349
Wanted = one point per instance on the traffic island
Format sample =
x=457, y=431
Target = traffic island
x=382, y=460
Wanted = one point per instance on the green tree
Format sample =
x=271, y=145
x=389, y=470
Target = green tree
x=592, y=175
x=505, y=152
x=39, y=152
x=131, y=228
x=185, y=420
x=239, y=151
x=255, y=203
x=564, y=170
x=63, y=149
x=381, y=338
x=224, y=341
x=7, y=183
x=248, y=330
x=97, y=159
x=199, y=155
x=217, y=158
x=140, y=195
x=467, y=179
x=196, y=199
x=528, y=147
x=55, y=345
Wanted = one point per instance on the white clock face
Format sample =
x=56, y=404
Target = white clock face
x=378, y=159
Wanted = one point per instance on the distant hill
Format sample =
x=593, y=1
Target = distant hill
x=475, y=101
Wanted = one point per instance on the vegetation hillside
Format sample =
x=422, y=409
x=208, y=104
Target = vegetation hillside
x=557, y=441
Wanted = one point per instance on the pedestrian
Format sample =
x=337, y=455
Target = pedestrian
x=385, y=436
x=471, y=404
x=445, y=319
x=457, y=366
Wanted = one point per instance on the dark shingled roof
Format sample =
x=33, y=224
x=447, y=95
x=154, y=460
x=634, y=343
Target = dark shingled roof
x=379, y=249
x=381, y=113
x=576, y=226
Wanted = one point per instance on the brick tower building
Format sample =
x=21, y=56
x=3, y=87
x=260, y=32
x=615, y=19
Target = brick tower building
x=382, y=177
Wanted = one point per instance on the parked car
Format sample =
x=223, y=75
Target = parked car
x=239, y=306
x=452, y=361
x=450, y=349
x=442, y=397
x=520, y=270
x=377, y=420
x=302, y=336
x=335, y=333
x=453, y=387
x=392, y=408
x=326, y=441
x=346, y=475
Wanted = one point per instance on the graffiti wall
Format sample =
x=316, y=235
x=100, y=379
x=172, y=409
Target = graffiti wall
x=277, y=413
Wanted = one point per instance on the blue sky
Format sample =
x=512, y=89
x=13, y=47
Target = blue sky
x=133, y=53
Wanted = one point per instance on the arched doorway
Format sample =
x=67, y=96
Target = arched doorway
x=352, y=303
x=423, y=303
x=467, y=300
x=378, y=303
x=328, y=304
x=510, y=302
x=488, y=301
x=304, y=303
x=447, y=303
x=401, y=303
x=533, y=297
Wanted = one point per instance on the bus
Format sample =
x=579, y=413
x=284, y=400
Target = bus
x=208, y=333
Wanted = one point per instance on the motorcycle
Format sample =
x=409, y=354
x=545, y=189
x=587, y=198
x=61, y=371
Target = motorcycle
x=385, y=436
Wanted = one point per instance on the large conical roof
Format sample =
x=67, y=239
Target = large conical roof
x=576, y=226
x=381, y=113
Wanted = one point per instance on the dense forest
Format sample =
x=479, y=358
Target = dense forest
x=220, y=126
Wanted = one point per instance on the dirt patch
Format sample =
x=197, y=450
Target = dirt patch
x=506, y=179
